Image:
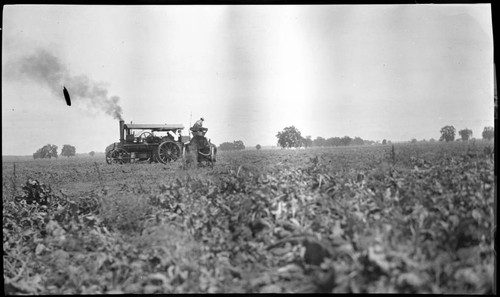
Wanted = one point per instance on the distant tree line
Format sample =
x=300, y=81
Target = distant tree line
x=49, y=151
x=291, y=137
x=339, y=141
x=448, y=133
x=234, y=146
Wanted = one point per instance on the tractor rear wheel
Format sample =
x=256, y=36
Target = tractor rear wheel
x=168, y=151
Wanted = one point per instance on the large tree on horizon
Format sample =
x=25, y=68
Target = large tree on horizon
x=488, y=133
x=290, y=137
x=447, y=133
x=68, y=151
x=47, y=151
x=465, y=134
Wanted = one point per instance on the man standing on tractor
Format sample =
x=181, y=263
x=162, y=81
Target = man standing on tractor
x=198, y=124
x=198, y=133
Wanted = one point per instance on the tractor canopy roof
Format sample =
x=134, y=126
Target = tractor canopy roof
x=155, y=127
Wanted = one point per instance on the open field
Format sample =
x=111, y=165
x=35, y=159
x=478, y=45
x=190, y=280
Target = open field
x=418, y=219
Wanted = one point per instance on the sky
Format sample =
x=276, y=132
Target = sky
x=394, y=72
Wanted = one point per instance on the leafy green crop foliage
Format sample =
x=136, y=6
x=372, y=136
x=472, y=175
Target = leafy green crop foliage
x=400, y=218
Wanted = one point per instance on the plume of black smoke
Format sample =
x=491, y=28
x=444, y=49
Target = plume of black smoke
x=46, y=69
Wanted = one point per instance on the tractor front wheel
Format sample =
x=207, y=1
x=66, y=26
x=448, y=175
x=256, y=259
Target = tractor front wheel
x=119, y=156
x=109, y=158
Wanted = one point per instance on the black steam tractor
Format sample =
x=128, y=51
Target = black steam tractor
x=160, y=143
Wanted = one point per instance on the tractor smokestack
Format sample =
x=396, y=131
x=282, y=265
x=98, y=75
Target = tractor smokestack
x=121, y=131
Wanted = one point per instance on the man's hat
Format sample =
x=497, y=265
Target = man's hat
x=202, y=119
